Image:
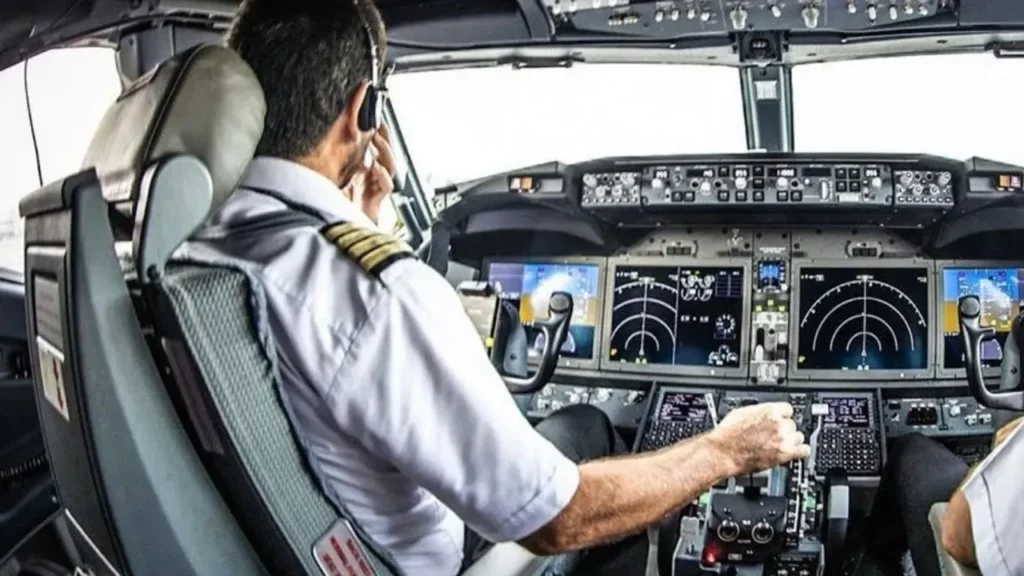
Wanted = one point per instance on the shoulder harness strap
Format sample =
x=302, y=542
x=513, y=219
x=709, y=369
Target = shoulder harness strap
x=373, y=250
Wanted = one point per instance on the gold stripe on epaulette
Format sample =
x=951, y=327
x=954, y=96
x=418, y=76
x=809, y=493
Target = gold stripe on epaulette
x=372, y=250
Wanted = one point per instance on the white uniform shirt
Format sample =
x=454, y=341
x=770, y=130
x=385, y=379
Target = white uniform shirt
x=388, y=380
x=995, y=495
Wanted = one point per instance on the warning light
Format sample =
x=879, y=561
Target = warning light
x=709, y=558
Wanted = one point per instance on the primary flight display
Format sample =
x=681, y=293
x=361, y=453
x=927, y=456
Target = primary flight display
x=677, y=315
x=999, y=290
x=530, y=285
x=863, y=319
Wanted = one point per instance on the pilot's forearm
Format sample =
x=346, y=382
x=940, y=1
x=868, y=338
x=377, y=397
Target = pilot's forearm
x=957, y=538
x=622, y=496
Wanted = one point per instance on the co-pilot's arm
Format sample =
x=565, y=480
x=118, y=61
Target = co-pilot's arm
x=988, y=509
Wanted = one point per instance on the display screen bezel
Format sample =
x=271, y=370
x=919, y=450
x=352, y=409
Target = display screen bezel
x=666, y=262
x=795, y=373
x=940, y=272
x=570, y=363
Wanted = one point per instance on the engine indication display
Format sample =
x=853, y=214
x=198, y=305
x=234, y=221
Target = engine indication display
x=999, y=290
x=682, y=316
x=863, y=319
x=532, y=283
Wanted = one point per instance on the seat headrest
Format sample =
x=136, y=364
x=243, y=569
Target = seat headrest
x=205, y=102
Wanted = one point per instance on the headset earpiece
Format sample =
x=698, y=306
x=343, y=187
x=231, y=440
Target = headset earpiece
x=371, y=113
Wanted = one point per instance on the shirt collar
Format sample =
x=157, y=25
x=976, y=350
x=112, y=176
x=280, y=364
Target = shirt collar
x=303, y=186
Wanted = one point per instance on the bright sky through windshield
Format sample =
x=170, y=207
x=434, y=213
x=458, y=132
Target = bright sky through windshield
x=958, y=105
x=464, y=124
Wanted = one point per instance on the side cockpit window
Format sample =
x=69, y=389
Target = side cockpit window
x=69, y=89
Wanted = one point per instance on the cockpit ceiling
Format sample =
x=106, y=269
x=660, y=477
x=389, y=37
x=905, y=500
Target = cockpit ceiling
x=436, y=29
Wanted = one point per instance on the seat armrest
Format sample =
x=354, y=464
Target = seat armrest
x=508, y=559
x=949, y=566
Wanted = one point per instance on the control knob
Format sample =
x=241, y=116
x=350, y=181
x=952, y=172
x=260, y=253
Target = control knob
x=917, y=189
x=705, y=16
x=604, y=395
x=876, y=182
x=893, y=12
x=907, y=178
x=954, y=410
x=659, y=16
x=872, y=13
x=908, y=9
x=705, y=188
x=810, y=14
x=617, y=190
x=944, y=178
x=629, y=179
x=762, y=533
x=933, y=190
x=782, y=184
x=739, y=17
x=825, y=189
x=728, y=531
x=657, y=183
x=776, y=11
x=589, y=180
x=851, y=7
x=740, y=183
x=691, y=13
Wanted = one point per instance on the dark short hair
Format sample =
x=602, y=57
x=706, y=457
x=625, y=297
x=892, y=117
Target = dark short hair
x=309, y=56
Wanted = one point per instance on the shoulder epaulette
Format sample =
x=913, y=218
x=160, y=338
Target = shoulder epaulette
x=373, y=250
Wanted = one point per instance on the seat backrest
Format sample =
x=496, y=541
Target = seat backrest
x=136, y=498
x=207, y=317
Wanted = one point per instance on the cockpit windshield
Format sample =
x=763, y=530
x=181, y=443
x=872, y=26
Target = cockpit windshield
x=460, y=125
x=848, y=106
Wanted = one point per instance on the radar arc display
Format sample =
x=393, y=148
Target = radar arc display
x=863, y=319
x=685, y=316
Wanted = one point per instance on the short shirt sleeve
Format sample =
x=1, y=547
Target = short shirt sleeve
x=418, y=389
x=995, y=495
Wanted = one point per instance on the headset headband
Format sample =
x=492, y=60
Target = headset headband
x=372, y=43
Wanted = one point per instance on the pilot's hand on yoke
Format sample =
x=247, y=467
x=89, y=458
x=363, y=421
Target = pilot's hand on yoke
x=374, y=180
x=755, y=438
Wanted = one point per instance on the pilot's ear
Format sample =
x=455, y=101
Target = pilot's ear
x=350, y=116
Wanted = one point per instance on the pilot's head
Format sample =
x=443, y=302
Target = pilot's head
x=312, y=58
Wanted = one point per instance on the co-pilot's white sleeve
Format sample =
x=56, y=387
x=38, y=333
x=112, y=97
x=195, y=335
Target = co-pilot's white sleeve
x=995, y=495
x=418, y=389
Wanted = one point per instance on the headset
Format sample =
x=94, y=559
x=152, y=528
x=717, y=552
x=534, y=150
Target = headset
x=371, y=113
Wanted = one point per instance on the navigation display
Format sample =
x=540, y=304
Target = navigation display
x=531, y=284
x=852, y=412
x=999, y=290
x=683, y=316
x=683, y=407
x=863, y=319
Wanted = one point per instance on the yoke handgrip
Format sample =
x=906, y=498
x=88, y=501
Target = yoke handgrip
x=973, y=335
x=555, y=330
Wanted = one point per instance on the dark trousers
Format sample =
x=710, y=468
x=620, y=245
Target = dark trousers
x=582, y=433
x=920, y=472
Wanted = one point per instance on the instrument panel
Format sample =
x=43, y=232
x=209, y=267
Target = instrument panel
x=767, y=306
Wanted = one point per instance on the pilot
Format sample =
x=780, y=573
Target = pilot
x=986, y=506
x=403, y=418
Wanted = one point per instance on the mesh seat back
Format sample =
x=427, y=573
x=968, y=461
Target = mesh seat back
x=219, y=315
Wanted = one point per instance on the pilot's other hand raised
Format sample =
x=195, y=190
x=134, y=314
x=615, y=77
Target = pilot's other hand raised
x=755, y=438
x=374, y=180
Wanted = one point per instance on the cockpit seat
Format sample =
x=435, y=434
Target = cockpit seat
x=169, y=152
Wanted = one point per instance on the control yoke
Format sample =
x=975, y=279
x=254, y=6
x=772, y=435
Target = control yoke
x=510, y=346
x=973, y=334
